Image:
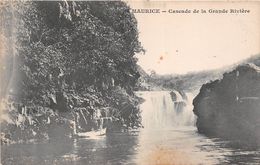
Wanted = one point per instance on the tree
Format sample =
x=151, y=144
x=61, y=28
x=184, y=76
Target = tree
x=74, y=54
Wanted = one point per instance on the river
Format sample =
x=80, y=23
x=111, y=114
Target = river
x=169, y=136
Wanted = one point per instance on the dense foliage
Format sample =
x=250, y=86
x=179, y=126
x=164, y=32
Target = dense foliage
x=191, y=81
x=76, y=56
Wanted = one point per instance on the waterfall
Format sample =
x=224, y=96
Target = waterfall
x=166, y=109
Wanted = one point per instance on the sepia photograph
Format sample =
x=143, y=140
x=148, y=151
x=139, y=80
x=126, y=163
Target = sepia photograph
x=129, y=82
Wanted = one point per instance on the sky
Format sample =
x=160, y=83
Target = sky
x=181, y=43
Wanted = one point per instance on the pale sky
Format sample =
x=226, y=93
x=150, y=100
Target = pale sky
x=181, y=43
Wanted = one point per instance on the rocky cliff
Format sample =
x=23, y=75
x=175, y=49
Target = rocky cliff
x=230, y=107
x=70, y=62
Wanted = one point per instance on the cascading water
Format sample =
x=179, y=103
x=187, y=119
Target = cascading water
x=165, y=109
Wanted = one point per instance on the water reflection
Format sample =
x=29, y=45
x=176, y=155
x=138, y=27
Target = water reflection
x=117, y=148
x=174, y=142
x=177, y=146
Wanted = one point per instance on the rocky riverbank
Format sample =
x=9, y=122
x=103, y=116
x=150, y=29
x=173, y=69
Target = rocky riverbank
x=230, y=107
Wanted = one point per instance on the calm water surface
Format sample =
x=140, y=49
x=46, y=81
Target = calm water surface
x=164, y=140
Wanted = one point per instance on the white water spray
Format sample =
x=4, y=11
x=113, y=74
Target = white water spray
x=161, y=111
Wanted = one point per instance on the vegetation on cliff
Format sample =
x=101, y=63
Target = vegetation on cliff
x=70, y=58
x=191, y=81
x=187, y=82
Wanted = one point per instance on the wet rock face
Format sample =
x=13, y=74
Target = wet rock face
x=179, y=99
x=230, y=107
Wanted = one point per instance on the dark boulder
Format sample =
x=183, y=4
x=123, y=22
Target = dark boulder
x=230, y=107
